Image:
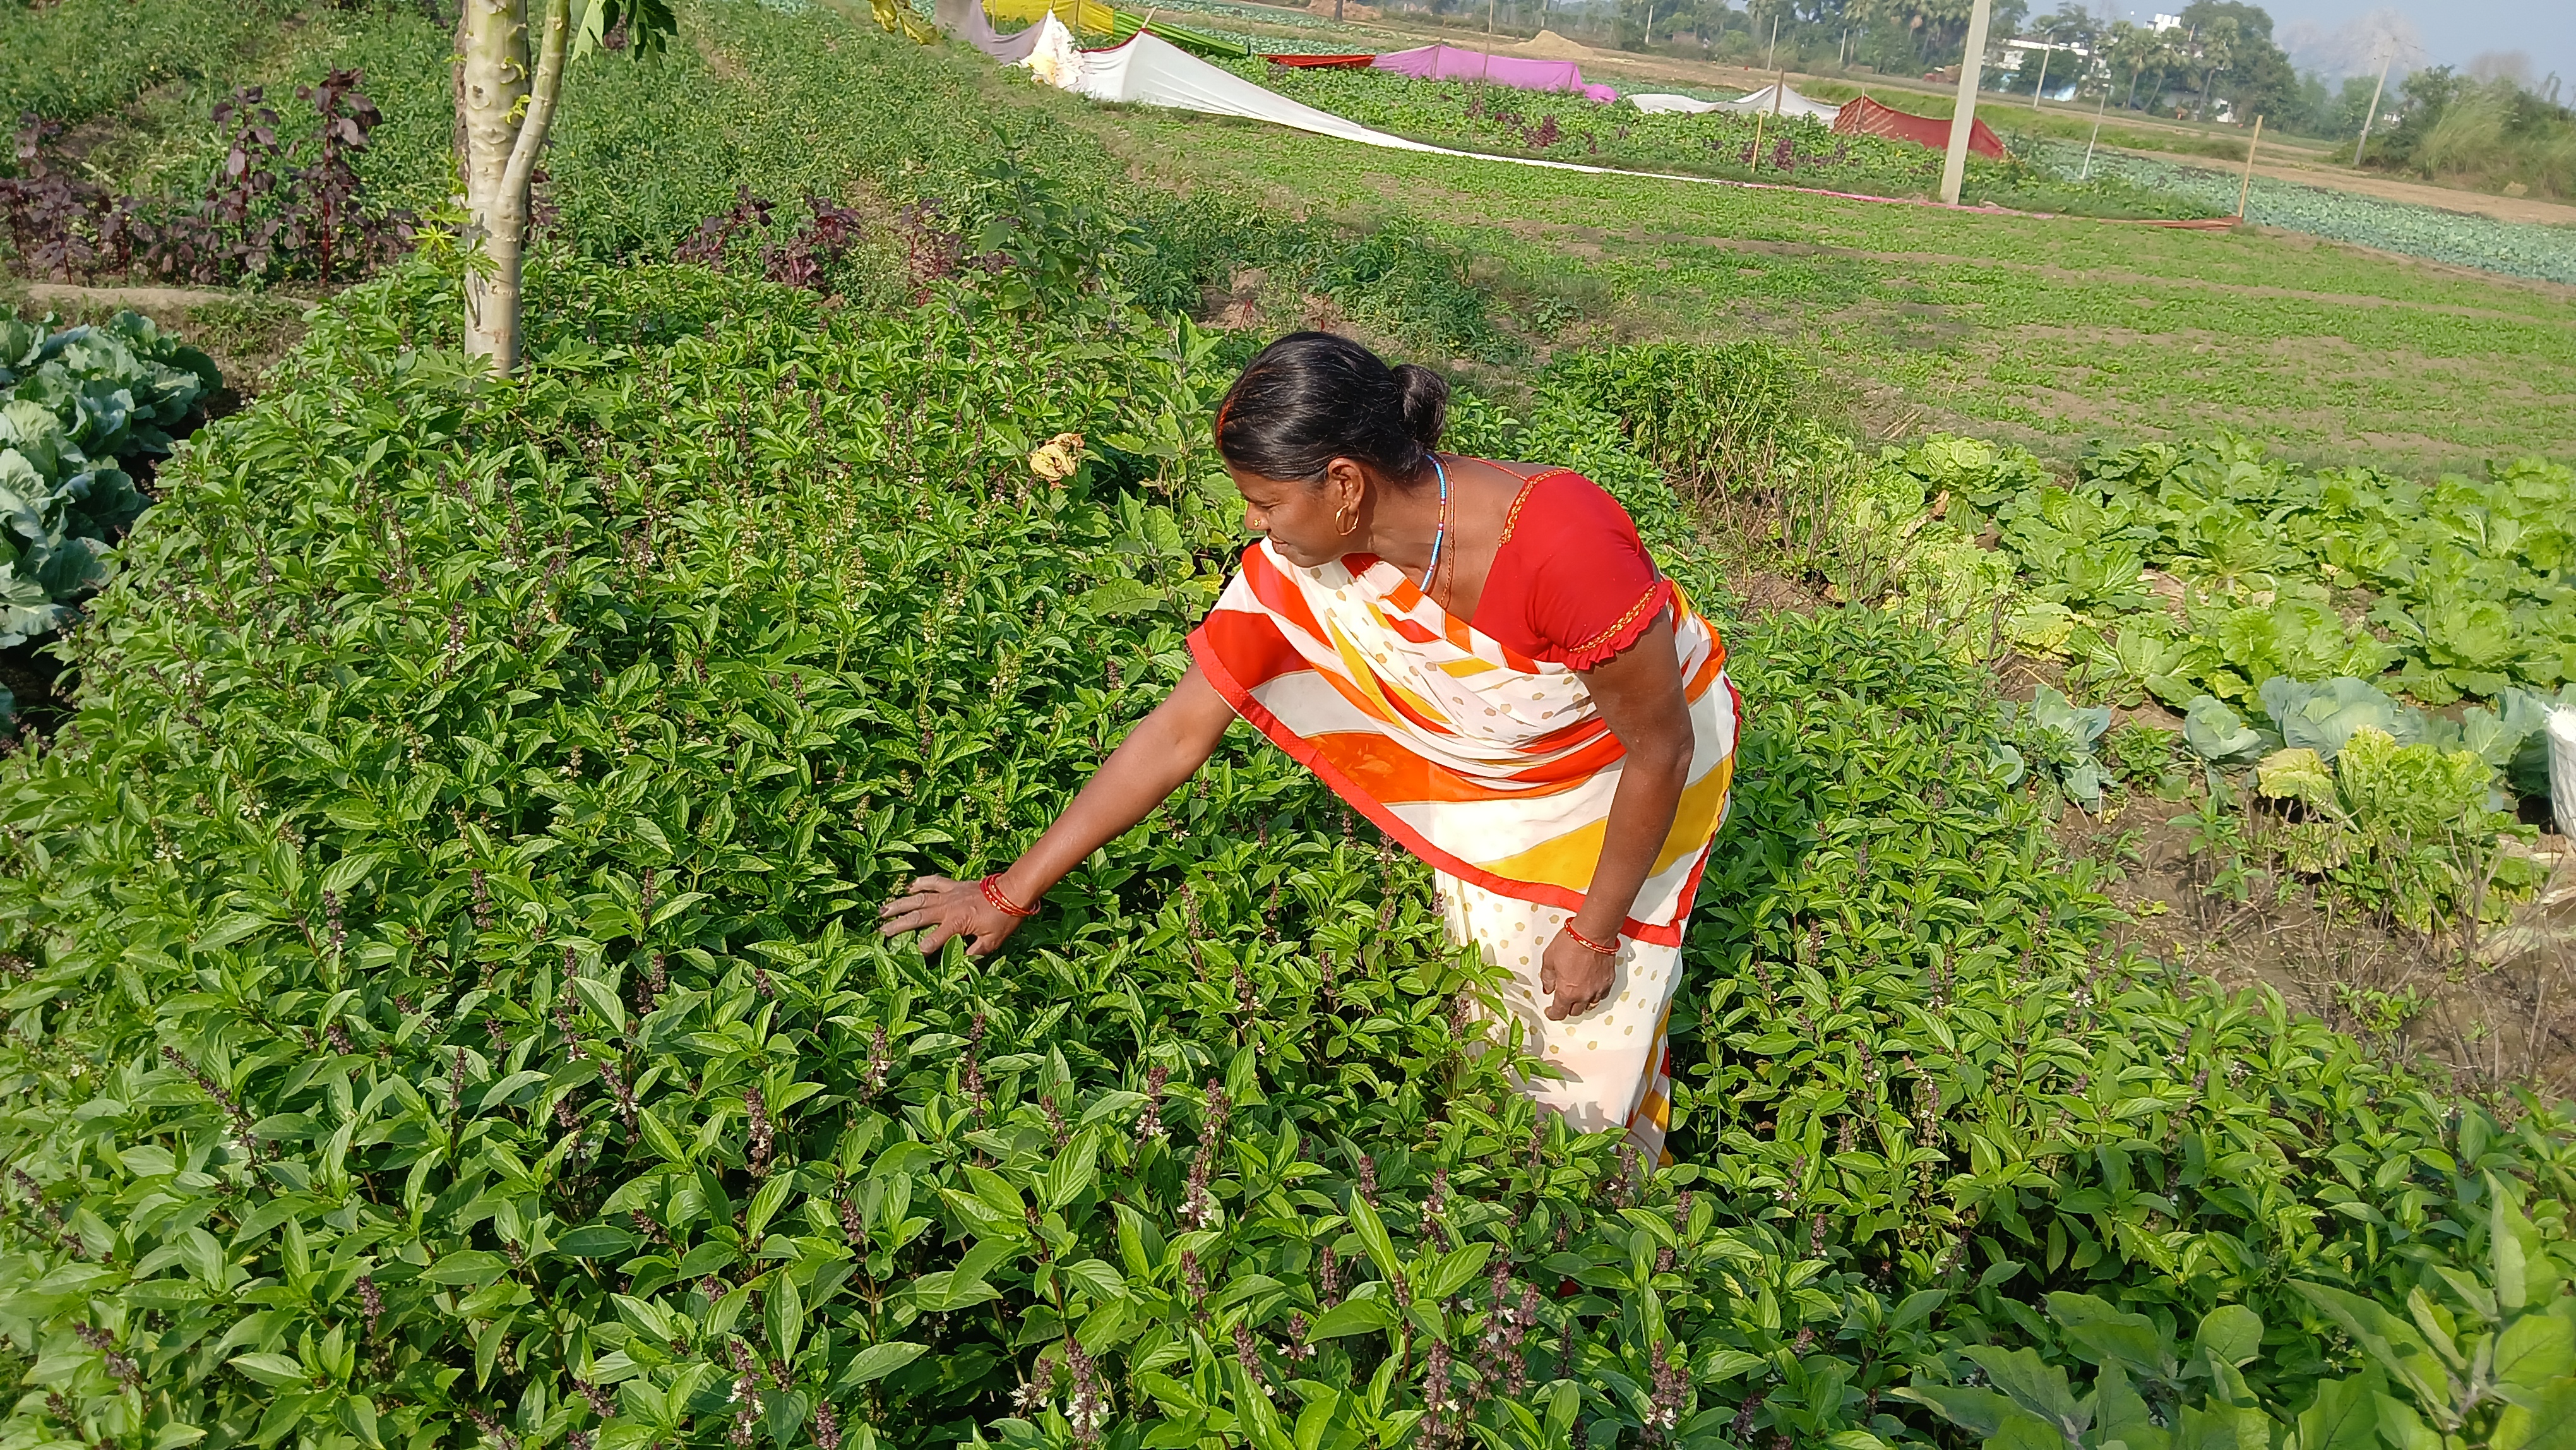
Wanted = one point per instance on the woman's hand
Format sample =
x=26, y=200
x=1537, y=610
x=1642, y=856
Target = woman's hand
x=1576, y=975
x=1152, y=762
x=941, y=909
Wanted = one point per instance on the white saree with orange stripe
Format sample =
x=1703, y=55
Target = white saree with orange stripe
x=1498, y=771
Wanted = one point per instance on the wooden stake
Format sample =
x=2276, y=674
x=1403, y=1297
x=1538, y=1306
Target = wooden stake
x=1758, y=118
x=2247, y=190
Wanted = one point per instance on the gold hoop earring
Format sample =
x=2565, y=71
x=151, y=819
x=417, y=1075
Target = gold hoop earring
x=1348, y=522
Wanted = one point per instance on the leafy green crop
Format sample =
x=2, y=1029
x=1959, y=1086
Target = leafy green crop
x=2396, y=810
x=2322, y=717
x=80, y=58
x=73, y=403
x=2521, y=249
x=2217, y=736
x=2059, y=739
x=2142, y=1396
x=443, y=998
x=2484, y=1356
x=1716, y=420
x=2404, y=825
x=2279, y=571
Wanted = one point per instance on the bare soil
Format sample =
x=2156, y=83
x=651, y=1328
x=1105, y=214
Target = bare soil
x=146, y=300
x=2378, y=184
x=2491, y=1008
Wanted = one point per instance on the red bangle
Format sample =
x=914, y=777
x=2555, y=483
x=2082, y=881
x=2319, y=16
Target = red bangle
x=1589, y=945
x=992, y=889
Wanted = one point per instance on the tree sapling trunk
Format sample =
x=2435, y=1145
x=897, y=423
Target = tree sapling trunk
x=505, y=103
x=509, y=78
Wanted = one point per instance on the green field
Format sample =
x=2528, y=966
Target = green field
x=2049, y=332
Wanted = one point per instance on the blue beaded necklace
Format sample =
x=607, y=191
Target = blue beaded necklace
x=1440, y=534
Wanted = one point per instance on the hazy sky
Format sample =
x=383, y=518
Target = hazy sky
x=2450, y=32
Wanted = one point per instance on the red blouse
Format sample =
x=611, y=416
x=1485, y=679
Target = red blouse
x=1571, y=583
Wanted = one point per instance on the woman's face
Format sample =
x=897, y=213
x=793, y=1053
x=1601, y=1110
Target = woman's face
x=1303, y=521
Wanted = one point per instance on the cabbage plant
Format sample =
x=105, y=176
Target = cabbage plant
x=2406, y=827
x=75, y=401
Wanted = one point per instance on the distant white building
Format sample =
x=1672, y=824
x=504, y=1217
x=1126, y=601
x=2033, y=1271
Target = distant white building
x=2066, y=64
x=2021, y=48
x=2164, y=23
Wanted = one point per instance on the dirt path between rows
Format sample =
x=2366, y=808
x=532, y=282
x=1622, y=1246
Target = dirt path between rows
x=2526, y=210
x=136, y=297
x=2389, y=188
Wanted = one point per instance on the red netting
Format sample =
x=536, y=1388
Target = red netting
x=1865, y=117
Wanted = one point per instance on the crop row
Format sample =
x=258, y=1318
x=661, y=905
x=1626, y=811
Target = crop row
x=2236, y=587
x=1795, y=152
x=2519, y=249
x=2212, y=567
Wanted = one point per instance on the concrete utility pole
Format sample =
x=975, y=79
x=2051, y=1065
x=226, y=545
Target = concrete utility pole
x=2373, y=113
x=1954, y=165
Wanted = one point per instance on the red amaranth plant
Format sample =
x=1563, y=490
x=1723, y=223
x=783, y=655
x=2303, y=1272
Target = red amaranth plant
x=51, y=215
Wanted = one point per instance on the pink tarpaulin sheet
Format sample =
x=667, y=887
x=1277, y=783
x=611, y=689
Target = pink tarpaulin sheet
x=1449, y=63
x=965, y=19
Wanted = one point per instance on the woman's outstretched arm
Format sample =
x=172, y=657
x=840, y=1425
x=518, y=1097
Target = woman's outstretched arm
x=1165, y=749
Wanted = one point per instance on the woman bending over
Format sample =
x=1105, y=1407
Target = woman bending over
x=1482, y=658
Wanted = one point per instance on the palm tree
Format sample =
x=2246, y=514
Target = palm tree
x=2130, y=46
x=2217, y=51
x=2169, y=52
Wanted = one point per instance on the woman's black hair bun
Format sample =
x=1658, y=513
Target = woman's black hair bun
x=1312, y=397
x=1426, y=403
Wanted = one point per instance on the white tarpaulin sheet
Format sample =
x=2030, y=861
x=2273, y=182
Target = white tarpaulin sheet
x=1659, y=103
x=1055, y=59
x=1151, y=71
x=1782, y=101
x=2562, y=767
